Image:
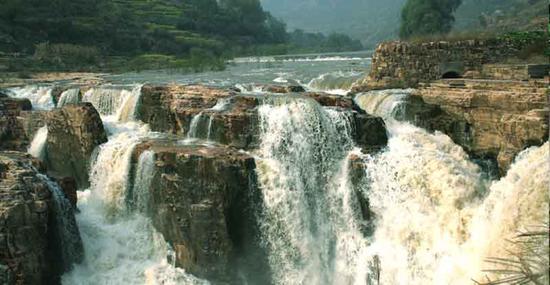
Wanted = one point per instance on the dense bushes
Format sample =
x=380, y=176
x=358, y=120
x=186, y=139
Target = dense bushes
x=66, y=54
x=427, y=17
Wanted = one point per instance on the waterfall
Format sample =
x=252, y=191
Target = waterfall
x=437, y=218
x=67, y=233
x=309, y=221
x=142, y=183
x=38, y=144
x=198, y=122
x=339, y=82
x=194, y=126
x=70, y=96
x=388, y=104
x=117, y=102
x=121, y=245
x=40, y=96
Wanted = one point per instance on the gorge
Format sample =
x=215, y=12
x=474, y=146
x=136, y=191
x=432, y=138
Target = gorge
x=267, y=173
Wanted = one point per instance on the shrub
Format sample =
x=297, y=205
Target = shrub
x=66, y=55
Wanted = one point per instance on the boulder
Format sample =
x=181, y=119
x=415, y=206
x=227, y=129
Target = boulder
x=202, y=199
x=74, y=131
x=32, y=251
x=369, y=132
x=12, y=132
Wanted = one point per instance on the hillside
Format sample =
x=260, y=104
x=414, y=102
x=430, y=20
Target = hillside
x=370, y=21
x=502, y=15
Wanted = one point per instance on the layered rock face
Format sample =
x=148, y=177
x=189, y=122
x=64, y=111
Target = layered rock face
x=232, y=119
x=405, y=64
x=202, y=200
x=74, y=131
x=31, y=251
x=170, y=108
x=12, y=132
x=490, y=119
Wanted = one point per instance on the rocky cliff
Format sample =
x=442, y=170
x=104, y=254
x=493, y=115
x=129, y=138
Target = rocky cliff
x=405, y=64
x=492, y=110
x=490, y=119
x=32, y=213
x=204, y=200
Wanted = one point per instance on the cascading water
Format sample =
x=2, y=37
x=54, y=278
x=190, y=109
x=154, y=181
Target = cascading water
x=121, y=246
x=437, y=218
x=70, y=96
x=310, y=219
x=67, y=233
x=38, y=144
x=40, y=96
x=117, y=102
x=339, y=82
x=203, y=121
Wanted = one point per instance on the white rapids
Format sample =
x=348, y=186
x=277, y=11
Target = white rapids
x=120, y=244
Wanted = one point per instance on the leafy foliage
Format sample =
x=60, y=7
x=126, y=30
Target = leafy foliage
x=177, y=29
x=427, y=17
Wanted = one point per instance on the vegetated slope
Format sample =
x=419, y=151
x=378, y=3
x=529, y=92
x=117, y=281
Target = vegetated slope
x=370, y=21
x=136, y=27
x=497, y=16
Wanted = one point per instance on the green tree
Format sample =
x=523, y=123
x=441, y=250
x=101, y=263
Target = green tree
x=427, y=17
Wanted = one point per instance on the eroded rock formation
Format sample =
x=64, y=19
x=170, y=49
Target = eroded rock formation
x=202, y=199
x=74, y=131
x=232, y=119
x=490, y=119
x=31, y=248
x=12, y=132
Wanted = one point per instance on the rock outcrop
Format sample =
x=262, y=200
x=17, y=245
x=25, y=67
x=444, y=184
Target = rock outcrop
x=202, y=199
x=232, y=119
x=170, y=108
x=74, y=131
x=490, y=119
x=31, y=249
x=405, y=64
x=12, y=132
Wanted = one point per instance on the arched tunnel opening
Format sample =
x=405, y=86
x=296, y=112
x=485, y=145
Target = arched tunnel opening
x=451, y=75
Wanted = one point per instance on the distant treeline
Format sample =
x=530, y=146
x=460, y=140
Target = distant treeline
x=176, y=32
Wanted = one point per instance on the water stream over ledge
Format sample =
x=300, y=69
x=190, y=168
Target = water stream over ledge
x=435, y=215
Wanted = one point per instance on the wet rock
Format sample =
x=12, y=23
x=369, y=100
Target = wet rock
x=12, y=132
x=74, y=131
x=32, y=121
x=490, y=119
x=330, y=100
x=30, y=248
x=170, y=108
x=203, y=202
x=232, y=119
x=281, y=89
x=369, y=132
x=69, y=187
x=406, y=64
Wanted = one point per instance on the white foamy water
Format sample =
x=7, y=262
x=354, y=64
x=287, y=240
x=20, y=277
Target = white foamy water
x=437, y=219
x=40, y=96
x=70, y=96
x=310, y=220
x=121, y=246
x=338, y=82
x=38, y=144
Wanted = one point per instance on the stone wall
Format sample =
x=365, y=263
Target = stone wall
x=404, y=64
